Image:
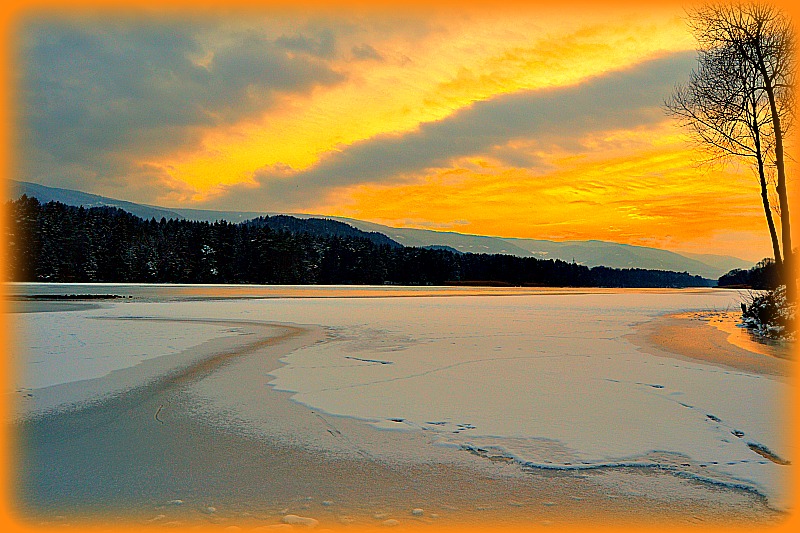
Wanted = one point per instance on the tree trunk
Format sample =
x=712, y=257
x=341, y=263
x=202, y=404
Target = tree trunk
x=787, y=273
x=776, y=247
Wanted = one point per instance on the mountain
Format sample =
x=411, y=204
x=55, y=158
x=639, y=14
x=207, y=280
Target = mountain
x=724, y=262
x=590, y=253
x=66, y=196
x=314, y=226
x=596, y=253
x=476, y=244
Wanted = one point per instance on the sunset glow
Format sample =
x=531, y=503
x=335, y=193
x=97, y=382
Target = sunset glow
x=518, y=122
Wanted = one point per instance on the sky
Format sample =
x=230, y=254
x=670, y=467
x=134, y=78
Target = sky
x=511, y=120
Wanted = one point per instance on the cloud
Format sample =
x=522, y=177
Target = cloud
x=622, y=99
x=321, y=45
x=522, y=154
x=366, y=52
x=100, y=97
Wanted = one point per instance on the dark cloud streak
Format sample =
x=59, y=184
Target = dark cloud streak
x=561, y=116
x=98, y=97
x=323, y=44
x=366, y=52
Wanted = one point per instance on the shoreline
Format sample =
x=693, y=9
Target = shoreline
x=17, y=297
x=149, y=373
x=711, y=338
x=183, y=432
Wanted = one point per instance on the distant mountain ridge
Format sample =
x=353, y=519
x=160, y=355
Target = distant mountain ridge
x=46, y=194
x=590, y=253
x=314, y=226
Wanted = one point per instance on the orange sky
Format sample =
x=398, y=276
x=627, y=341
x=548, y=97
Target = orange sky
x=520, y=122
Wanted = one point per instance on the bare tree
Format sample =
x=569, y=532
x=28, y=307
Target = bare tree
x=721, y=107
x=738, y=101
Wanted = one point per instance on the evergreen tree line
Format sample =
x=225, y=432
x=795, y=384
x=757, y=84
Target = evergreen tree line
x=765, y=275
x=60, y=243
x=318, y=226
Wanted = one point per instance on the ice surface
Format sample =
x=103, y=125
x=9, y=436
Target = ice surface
x=496, y=370
x=547, y=380
x=65, y=347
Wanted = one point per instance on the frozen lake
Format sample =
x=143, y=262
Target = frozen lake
x=544, y=377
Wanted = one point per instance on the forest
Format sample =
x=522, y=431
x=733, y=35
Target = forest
x=765, y=275
x=54, y=242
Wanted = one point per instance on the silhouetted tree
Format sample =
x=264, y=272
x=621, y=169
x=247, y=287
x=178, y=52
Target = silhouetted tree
x=739, y=102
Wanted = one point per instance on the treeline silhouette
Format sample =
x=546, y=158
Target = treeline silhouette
x=765, y=275
x=60, y=243
x=319, y=227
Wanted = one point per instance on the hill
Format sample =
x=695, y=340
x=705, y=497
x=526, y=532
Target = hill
x=590, y=253
x=55, y=242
